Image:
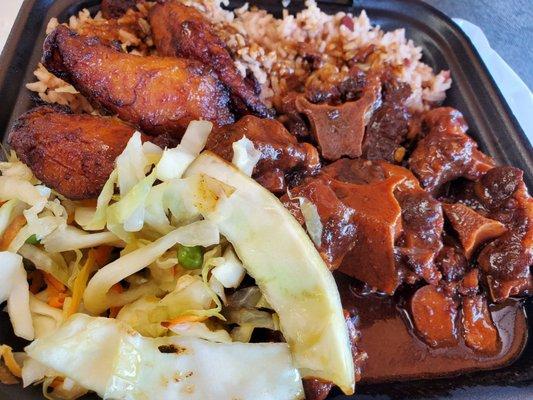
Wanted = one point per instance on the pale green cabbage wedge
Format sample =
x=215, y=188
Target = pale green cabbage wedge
x=279, y=255
x=104, y=355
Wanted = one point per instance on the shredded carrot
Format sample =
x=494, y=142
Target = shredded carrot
x=57, y=292
x=37, y=281
x=6, y=353
x=11, y=231
x=97, y=257
x=56, y=300
x=183, y=318
x=80, y=284
x=53, y=282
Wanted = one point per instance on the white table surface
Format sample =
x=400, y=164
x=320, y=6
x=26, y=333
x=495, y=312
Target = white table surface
x=8, y=13
x=515, y=91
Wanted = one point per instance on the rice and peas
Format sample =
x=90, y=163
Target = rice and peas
x=271, y=48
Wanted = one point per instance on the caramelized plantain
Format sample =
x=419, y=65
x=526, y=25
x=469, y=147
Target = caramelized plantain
x=157, y=94
x=182, y=31
x=73, y=154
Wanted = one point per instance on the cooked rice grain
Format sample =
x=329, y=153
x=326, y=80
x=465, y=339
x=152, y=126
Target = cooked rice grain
x=271, y=49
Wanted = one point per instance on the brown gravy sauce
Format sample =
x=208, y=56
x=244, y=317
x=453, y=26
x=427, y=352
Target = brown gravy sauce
x=396, y=353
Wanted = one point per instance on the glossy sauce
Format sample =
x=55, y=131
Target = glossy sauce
x=396, y=353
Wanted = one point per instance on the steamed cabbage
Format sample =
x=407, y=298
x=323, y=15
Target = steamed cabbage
x=45, y=262
x=195, y=324
x=8, y=211
x=146, y=314
x=230, y=272
x=201, y=233
x=46, y=319
x=175, y=161
x=14, y=288
x=286, y=266
x=67, y=238
x=105, y=356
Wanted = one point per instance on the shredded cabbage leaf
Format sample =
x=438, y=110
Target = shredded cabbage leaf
x=131, y=164
x=271, y=244
x=175, y=161
x=105, y=356
x=201, y=233
x=201, y=331
x=243, y=308
x=146, y=314
x=245, y=155
x=33, y=371
x=230, y=272
x=67, y=238
x=17, y=169
x=46, y=319
x=312, y=220
x=13, y=187
x=14, y=288
x=8, y=211
x=84, y=215
x=40, y=227
x=127, y=215
x=45, y=262
x=98, y=221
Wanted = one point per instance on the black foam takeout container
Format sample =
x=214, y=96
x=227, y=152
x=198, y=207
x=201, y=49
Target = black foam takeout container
x=473, y=92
